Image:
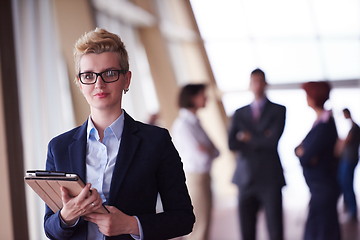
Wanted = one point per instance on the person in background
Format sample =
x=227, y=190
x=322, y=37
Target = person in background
x=317, y=158
x=349, y=157
x=197, y=153
x=154, y=119
x=254, y=134
x=125, y=163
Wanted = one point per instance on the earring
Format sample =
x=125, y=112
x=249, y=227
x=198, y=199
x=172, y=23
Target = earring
x=126, y=90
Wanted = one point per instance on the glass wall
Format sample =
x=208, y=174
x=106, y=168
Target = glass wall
x=293, y=42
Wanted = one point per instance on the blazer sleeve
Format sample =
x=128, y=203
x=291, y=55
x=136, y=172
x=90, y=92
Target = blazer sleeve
x=319, y=144
x=267, y=138
x=52, y=224
x=177, y=219
x=237, y=125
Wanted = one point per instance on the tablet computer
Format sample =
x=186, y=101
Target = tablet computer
x=47, y=185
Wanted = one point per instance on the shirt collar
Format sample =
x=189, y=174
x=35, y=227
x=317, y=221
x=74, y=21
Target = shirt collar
x=259, y=102
x=116, y=128
x=187, y=114
x=324, y=117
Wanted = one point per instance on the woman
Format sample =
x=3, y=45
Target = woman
x=125, y=163
x=316, y=155
x=197, y=153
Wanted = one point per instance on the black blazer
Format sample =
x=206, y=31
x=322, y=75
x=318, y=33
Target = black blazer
x=258, y=161
x=319, y=161
x=147, y=164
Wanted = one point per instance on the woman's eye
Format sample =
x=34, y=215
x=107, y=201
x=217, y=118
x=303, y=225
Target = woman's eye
x=89, y=76
x=110, y=73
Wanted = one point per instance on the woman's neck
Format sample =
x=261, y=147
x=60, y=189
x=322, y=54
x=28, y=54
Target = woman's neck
x=319, y=111
x=102, y=120
x=193, y=110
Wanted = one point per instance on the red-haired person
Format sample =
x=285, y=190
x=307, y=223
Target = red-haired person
x=317, y=157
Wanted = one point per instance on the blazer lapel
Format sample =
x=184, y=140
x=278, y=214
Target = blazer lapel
x=250, y=122
x=77, y=152
x=249, y=113
x=129, y=144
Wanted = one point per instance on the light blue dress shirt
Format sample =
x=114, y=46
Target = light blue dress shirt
x=100, y=163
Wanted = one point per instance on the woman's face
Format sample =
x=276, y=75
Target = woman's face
x=200, y=100
x=101, y=95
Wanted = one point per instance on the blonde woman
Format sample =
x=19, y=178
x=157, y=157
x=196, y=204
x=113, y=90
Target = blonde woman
x=125, y=163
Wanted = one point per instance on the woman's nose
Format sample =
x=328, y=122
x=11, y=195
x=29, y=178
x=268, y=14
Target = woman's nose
x=100, y=82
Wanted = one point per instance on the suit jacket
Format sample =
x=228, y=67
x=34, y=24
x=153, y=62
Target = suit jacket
x=258, y=161
x=318, y=161
x=147, y=164
x=320, y=171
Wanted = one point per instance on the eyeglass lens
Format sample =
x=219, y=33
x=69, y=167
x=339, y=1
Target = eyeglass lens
x=107, y=76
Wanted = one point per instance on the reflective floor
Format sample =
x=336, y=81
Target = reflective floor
x=225, y=222
x=295, y=203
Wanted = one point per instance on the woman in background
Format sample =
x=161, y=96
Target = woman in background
x=316, y=155
x=197, y=153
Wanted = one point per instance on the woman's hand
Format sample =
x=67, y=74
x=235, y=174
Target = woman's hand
x=299, y=151
x=86, y=202
x=114, y=223
x=243, y=136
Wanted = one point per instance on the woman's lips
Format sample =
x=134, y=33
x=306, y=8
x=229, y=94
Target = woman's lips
x=101, y=95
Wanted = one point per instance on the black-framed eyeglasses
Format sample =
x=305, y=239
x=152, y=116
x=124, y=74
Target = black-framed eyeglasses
x=107, y=76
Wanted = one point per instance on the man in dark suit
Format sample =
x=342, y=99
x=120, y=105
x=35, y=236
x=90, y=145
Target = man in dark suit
x=125, y=163
x=254, y=134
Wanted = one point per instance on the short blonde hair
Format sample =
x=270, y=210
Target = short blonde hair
x=98, y=41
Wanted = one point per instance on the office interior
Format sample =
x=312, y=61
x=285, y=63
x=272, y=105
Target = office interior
x=171, y=43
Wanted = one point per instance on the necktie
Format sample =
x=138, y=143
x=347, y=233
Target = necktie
x=256, y=111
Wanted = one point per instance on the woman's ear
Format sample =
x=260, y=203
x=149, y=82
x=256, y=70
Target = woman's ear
x=127, y=80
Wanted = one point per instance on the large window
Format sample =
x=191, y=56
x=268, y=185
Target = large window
x=292, y=41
